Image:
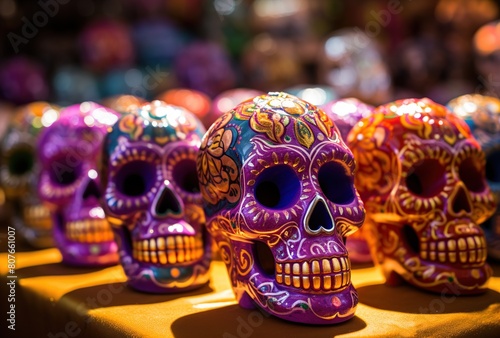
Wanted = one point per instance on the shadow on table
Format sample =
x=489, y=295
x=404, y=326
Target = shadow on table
x=55, y=269
x=495, y=265
x=233, y=321
x=408, y=299
x=119, y=294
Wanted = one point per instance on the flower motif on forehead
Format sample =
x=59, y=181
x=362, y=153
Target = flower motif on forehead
x=159, y=122
x=427, y=119
x=271, y=114
x=218, y=171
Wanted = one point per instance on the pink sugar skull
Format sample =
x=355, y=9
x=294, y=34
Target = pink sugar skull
x=421, y=174
x=278, y=186
x=70, y=185
x=153, y=200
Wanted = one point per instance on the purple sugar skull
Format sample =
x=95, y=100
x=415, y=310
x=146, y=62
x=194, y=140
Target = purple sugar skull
x=152, y=198
x=482, y=114
x=19, y=171
x=279, y=197
x=345, y=113
x=70, y=185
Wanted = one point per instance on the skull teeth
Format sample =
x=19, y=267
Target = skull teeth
x=89, y=231
x=319, y=275
x=168, y=250
x=37, y=216
x=470, y=249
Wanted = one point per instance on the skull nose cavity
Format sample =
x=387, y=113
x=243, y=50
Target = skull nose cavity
x=461, y=201
x=92, y=190
x=167, y=204
x=319, y=218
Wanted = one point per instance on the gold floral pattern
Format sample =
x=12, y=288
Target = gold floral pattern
x=132, y=125
x=272, y=113
x=218, y=173
x=273, y=125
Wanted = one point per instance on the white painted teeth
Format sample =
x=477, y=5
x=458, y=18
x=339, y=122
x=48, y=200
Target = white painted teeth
x=168, y=250
x=37, y=216
x=89, y=231
x=319, y=275
x=470, y=249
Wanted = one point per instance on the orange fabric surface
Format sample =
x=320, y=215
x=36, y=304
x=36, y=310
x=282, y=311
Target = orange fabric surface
x=53, y=300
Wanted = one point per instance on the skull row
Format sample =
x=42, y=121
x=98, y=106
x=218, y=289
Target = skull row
x=272, y=181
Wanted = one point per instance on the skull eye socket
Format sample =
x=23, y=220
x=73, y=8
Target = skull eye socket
x=185, y=176
x=20, y=161
x=335, y=183
x=135, y=178
x=426, y=178
x=471, y=174
x=493, y=166
x=65, y=169
x=277, y=187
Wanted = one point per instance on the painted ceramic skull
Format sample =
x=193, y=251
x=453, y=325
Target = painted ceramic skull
x=277, y=182
x=69, y=184
x=345, y=113
x=19, y=171
x=421, y=175
x=482, y=114
x=153, y=200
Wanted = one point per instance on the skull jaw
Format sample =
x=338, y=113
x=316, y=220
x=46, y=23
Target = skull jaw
x=435, y=277
x=254, y=288
x=399, y=263
x=293, y=305
x=82, y=253
x=162, y=278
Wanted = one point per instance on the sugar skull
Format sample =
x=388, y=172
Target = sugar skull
x=482, y=114
x=345, y=113
x=19, y=171
x=279, y=197
x=421, y=174
x=70, y=186
x=152, y=198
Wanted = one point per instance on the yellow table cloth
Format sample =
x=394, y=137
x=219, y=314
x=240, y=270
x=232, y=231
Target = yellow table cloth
x=54, y=300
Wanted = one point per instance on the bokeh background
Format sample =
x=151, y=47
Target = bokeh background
x=67, y=51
